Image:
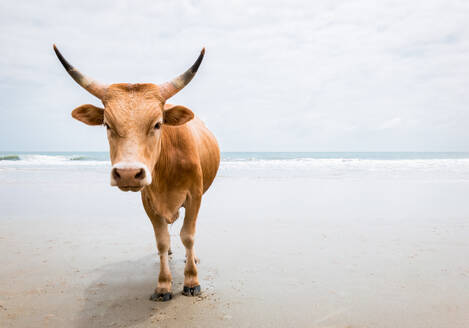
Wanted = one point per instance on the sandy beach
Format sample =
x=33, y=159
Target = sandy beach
x=297, y=252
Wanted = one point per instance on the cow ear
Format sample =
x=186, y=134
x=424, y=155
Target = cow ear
x=176, y=114
x=89, y=114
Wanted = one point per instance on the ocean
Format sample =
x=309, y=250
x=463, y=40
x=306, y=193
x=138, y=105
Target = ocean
x=426, y=165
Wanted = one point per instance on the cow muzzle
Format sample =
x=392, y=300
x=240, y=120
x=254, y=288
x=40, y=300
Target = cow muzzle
x=130, y=176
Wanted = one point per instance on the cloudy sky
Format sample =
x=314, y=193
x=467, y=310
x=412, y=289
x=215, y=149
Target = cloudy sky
x=293, y=76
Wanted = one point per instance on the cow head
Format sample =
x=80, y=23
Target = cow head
x=135, y=116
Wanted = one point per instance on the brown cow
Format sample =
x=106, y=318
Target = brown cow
x=160, y=150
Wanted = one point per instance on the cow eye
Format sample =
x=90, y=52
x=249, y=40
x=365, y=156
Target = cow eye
x=158, y=125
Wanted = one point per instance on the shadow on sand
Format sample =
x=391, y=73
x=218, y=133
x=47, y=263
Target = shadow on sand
x=119, y=297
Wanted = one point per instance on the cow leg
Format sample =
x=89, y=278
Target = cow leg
x=163, y=289
x=191, y=282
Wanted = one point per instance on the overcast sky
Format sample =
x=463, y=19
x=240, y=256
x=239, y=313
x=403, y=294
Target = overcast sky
x=292, y=76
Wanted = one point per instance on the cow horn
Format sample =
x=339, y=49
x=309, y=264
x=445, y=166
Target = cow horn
x=95, y=88
x=169, y=89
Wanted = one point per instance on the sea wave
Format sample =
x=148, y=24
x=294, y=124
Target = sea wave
x=10, y=158
x=48, y=160
x=252, y=163
x=345, y=168
x=346, y=162
x=334, y=165
x=80, y=158
x=255, y=167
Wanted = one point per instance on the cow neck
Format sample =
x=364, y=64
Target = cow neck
x=162, y=164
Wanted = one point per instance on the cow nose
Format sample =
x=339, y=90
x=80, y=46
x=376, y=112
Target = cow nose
x=128, y=177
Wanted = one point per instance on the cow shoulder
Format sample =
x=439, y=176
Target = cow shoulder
x=181, y=148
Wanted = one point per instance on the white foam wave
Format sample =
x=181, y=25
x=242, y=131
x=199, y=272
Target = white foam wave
x=314, y=163
x=450, y=168
x=305, y=167
x=50, y=160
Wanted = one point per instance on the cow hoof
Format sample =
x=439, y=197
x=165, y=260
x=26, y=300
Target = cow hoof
x=161, y=297
x=191, y=291
x=196, y=260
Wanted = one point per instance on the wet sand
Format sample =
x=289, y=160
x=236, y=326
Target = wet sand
x=274, y=253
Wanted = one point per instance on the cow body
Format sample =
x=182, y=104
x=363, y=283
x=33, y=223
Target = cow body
x=186, y=168
x=160, y=150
